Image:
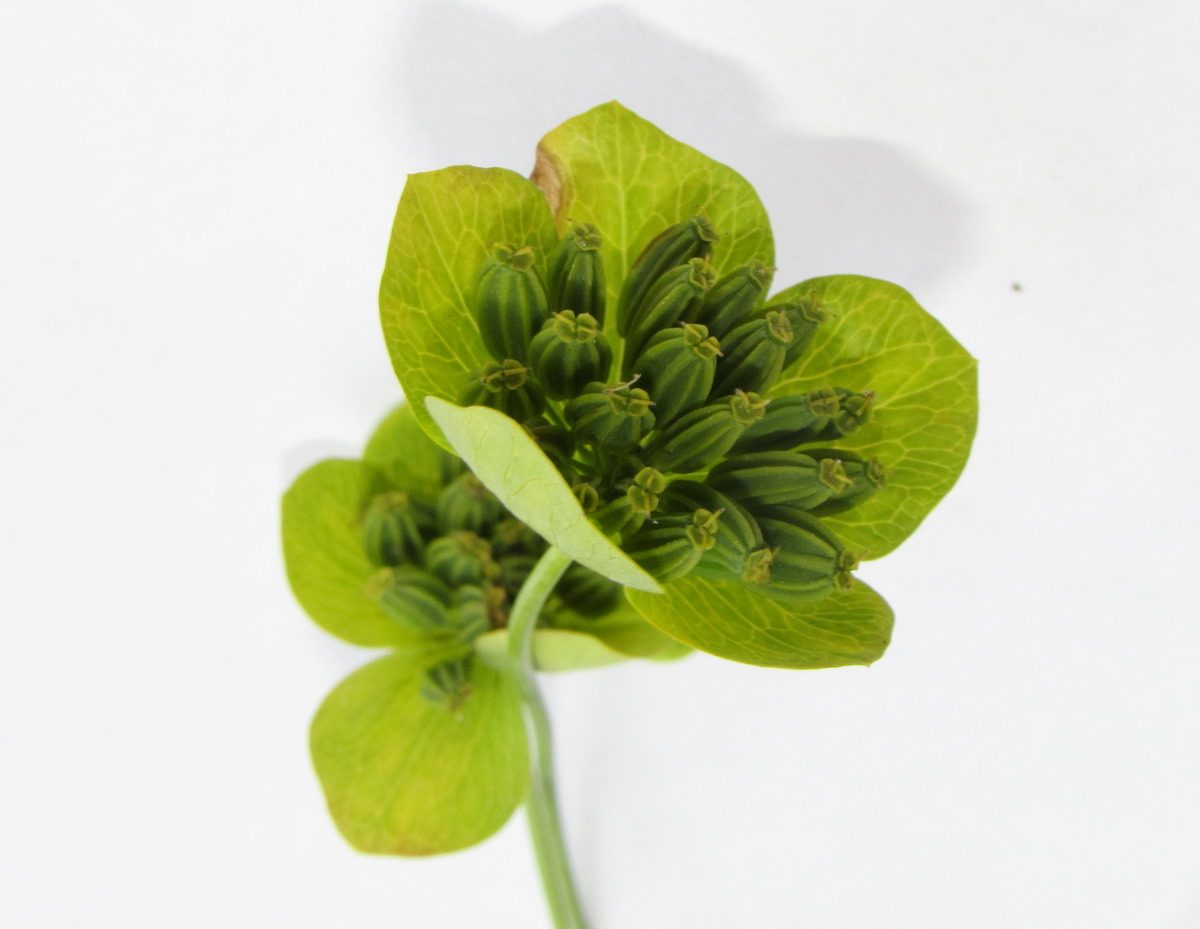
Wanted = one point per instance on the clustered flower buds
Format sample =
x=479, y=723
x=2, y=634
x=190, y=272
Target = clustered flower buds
x=451, y=566
x=667, y=434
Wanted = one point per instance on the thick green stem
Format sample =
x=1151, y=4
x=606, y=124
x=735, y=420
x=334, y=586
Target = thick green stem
x=542, y=808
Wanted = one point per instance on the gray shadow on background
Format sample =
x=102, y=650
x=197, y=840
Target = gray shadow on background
x=837, y=205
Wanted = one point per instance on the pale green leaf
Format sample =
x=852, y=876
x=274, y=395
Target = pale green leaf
x=923, y=422
x=509, y=463
x=610, y=167
x=407, y=776
x=407, y=457
x=553, y=650
x=326, y=563
x=444, y=224
x=730, y=620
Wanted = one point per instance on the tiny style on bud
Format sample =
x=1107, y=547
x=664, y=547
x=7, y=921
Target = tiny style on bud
x=738, y=535
x=692, y=238
x=576, y=275
x=795, y=420
x=509, y=301
x=867, y=476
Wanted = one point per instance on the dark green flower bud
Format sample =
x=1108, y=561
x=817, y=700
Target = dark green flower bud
x=412, y=597
x=672, y=300
x=466, y=504
x=680, y=243
x=614, y=418
x=807, y=561
x=791, y=421
x=866, y=474
x=478, y=609
x=509, y=302
x=737, y=536
x=677, y=368
x=671, y=546
x=588, y=593
x=461, y=558
x=734, y=299
x=448, y=684
x=391, y=529
x=577, y=272
x=697, y=439
x=569, y=353
x=514, y=571
x=771, y=478
x=640, y=498
x=804, y=315
x=754, y=355
x=504, y=386
x=511, y=536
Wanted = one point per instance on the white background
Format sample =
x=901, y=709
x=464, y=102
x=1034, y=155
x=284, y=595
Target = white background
x=195, y=201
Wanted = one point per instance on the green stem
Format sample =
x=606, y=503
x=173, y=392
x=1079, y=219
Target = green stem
x=542, y=808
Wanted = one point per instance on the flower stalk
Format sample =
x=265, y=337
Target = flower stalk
x=542, y=805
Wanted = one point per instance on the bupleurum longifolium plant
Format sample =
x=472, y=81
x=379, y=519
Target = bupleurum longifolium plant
x=655, y=453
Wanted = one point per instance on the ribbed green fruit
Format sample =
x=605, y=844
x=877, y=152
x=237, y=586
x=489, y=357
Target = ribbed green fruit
x=509, y=301
x=671, y=546
x=676, y=245
x=734, y=299
x=448, y=683
x=676, y=368
x=754, y=355
x=772, y=478
x=808, y=562
x=413, y=598
x=588, y=593
x=613, y=418
x=805, y=316
x=391, y=529
x=700, y=437
x=504, y=386
x=465, y=503
x=569, y=353
x=576, y=275
x=867, y=475
x=673, y=299
x=461, y=558
x=737, y=535
x=791, y=421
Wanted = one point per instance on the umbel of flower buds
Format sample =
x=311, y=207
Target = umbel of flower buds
x=669, y=438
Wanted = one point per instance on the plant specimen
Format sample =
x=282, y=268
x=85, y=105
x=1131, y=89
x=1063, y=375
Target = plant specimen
x=658, y=454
